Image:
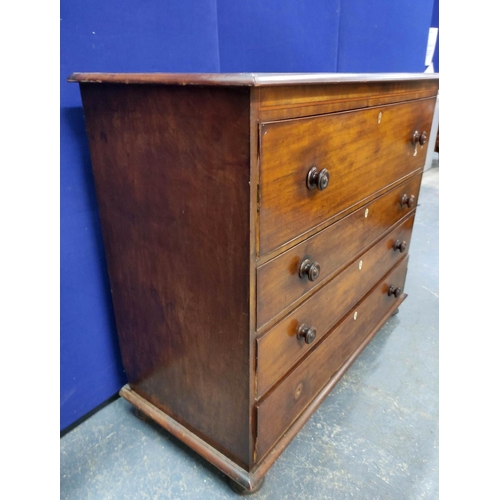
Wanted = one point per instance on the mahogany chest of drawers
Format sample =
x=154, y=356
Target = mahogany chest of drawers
x=256, y=229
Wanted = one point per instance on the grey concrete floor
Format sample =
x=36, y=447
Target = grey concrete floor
x=374, y=437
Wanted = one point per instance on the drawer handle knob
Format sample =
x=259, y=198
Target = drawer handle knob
x=309, y=269
x=407, y=200
x=419, y=138
x=309, y=333
x=399, y=245
x=318, y=179
x=396, y=291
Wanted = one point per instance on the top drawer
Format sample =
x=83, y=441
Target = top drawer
x=363, y=152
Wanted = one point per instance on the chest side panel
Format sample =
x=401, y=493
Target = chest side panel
x=171, y=167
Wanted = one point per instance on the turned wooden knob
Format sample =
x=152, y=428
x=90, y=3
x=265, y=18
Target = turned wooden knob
x=318, y=179
x=308, y=333
x=310, y=269
x=399, y=245
x=396, y=291
x=419, y=138
x=407, y=200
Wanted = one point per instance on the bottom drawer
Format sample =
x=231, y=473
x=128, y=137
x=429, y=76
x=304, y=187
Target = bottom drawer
x=283, y=405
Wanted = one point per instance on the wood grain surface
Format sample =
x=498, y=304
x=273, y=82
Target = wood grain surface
x=287, y=101
x=279, y=286
x=206, y=218
x=280, y=348
x=362, y=150
x=172, y=180
x=284, y=404
x=248, y=79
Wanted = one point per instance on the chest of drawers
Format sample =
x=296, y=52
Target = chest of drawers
x=256, y=229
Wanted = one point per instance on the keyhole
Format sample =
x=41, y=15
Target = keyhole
x=298, y=390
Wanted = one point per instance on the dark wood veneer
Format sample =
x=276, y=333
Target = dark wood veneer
x=279, y=349
x=256, y=79
x=278, y=284
x=282, y=406
x=363, y=151
x=207, y=219
x=175, y=222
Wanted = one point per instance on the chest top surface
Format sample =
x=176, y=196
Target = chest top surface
x=246, y=79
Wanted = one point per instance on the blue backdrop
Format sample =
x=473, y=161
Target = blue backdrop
x=189, y=36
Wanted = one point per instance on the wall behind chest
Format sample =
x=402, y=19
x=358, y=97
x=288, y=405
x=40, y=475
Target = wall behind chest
x=321, y=35
x=383, y=35
x=108, y=36
x=278, y=36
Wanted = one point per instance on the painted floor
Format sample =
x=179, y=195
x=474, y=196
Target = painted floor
x=374, y=437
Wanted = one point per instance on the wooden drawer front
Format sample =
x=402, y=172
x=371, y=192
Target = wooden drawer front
x=292, y=101
x=278, y=283
x=280, y=348
x=361, y=155
x=278, y=411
